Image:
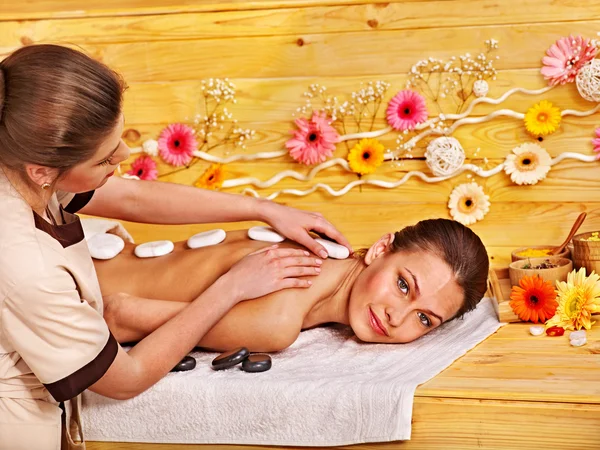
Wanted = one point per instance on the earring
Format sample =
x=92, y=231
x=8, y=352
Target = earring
x=46, y=186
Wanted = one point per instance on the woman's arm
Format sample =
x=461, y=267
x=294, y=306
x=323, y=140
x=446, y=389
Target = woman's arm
x=268, y=324
x=256, y=275
x=152, y=358
x=169, y=203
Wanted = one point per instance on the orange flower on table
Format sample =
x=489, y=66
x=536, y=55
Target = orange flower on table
x=212, y=178
x=534, y=300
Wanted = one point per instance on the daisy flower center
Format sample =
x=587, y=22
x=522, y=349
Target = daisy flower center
x=468, y=204
x=527, y=162
x=176, y=143
x=212, y=177
x=571, y=62
x=572, y=303
x=312, y=137
x=533, y=299
x=140, y=172
x=366, y=155
x=404, y=111
x=542, y=117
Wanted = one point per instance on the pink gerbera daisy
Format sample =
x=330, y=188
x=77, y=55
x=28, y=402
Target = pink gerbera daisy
x=406, y=110
x=565, y=58
x=176, y=144
x=314, y=141
x=596, y=142
x=144, y=168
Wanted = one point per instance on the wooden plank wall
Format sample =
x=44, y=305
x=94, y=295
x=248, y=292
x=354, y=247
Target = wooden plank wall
x=274, y=50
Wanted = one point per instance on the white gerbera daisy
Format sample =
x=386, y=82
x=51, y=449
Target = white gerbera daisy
x=468, y=203
x=150, y=147
x=527, y=164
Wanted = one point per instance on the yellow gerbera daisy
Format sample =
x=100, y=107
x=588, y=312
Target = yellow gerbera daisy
x=212, y=178
x=578, y=299
x=366, y=156
x=542, y=118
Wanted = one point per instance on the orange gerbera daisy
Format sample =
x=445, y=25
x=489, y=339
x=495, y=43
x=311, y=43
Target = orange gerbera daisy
x=534, y=300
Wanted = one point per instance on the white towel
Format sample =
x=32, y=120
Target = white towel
x=92, y=227
x=327, y=389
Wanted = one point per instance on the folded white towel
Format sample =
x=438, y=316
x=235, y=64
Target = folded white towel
x=92, y=227
x=326, y=389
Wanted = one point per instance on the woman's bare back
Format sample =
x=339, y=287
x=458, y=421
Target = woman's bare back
x=269, y=323
x=179, y=276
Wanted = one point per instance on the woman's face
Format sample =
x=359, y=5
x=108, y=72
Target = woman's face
x=95, y=172
x=401, y=296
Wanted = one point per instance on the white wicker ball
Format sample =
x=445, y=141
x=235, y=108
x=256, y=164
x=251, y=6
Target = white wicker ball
x=481, y=88
x=588, y=81
x=444, y=156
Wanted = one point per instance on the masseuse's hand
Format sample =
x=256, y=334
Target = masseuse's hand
x=295, y=224
x=271, y=269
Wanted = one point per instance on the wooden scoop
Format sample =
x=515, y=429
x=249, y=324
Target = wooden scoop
x=576, y=225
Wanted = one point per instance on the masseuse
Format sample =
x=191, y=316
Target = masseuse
x=60, y=143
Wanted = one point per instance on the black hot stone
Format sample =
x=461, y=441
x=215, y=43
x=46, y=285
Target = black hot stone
x=257, y=363
x=187, y=363
x=230, y=358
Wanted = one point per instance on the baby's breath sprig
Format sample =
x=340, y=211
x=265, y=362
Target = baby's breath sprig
x=454, y=78
x=215, y=126
x=350, y=115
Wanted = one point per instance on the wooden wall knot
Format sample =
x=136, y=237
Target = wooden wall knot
x=26, y=40
x=131, y=136
x=373, y=23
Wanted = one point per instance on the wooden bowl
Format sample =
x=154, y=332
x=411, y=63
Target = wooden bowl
x=586, y=253
x=516, y=257
x=516, y=271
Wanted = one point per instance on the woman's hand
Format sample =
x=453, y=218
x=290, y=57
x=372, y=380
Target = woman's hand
x=295, y=224
x=271, y=269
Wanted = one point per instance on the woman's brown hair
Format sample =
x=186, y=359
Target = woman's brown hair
x=458, y=246
x=57, y=105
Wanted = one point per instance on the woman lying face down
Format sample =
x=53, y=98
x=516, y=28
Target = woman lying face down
x=405, y=285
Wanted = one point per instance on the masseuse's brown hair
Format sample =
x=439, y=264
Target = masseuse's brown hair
x=57, y=105
x=458, y=246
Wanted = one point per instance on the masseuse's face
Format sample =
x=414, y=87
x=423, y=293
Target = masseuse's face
x=96, y=171
x=401, y=296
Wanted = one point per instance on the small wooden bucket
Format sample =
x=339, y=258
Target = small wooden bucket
x=516, y=270
x=586, y=253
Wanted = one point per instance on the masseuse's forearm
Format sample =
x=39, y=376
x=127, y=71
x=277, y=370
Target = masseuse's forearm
x=154, y=356
x=169, y=203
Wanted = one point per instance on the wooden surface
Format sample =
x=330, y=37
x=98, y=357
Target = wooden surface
x=512, y=391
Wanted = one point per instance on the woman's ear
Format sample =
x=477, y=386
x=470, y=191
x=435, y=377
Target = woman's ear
x=379, y=248
x=40, y=174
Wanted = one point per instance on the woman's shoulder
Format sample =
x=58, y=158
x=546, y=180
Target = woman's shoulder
x=266, y=324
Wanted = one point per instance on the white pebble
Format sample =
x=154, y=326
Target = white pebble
x=536, y=330
x=152, y=249
x=581, y=334
x=207, y=238
x=105, y=246
x=334, y=250
x=578, y=342
x=265, y=234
